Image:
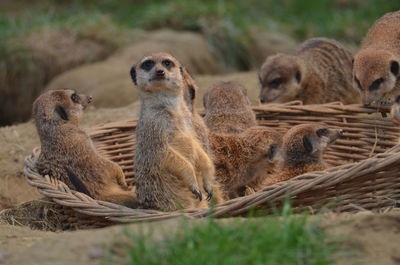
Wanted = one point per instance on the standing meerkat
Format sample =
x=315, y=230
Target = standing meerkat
x=302, y=150
x=228, y=109
x=376, y=65
x=68, y=154
x=172, y=168
x=318, y=72
x=240, y=159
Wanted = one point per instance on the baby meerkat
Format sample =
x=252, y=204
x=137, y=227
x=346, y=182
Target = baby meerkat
x=172, y=168
x=376, y=65
x=302, y=150
x=68, y=154
x=240, y=159
x=318, y=72
x=228, y=109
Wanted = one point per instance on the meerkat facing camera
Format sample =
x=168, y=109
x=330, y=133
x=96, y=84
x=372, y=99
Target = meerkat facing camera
x=228, y=109
x=376, y=66
x=68, y=154
x=172, y=167
x=302, y=149
x=319, y=72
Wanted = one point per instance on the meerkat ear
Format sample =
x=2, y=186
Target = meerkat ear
x=133, y=74
x=298, y=76
x=394, y=67
x=308, y=146
x=60, y=111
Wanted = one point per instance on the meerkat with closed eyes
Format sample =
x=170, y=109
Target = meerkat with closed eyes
x=318, y=72
x=172, y=168
x=376, y=68
x=68, y=154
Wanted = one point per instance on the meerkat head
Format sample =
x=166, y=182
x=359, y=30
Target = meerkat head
x=225, y=95
x=158, y=73
x=304, y=144
x=395, y=110
x=60, y=106
x=375, y=73
x=280, y=78
x=266, y=146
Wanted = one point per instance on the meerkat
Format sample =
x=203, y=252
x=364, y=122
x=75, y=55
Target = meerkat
x=318, y=72
x=68, y=154
x=395, y=110
x=302, y=150
x=241, y=158
x=376, y=65
x=172, y=167
x=228, y=109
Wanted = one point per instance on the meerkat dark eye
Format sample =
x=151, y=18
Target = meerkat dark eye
x=272, y=151
x=322, y=132
x=394, y=67
x=397, y=100
x=298, y=76
x=275, y=82
x=358, y=83
x=75, y=98
x=147, y=65
x=168, y=63
x=375, y=85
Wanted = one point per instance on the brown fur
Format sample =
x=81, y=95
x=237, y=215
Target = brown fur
x=318, y=72
x=395, y=110
x=172, y=168
x=228, y=109
x=302, y=150
x=65, y=147
x=376, y=65
x=240, y=159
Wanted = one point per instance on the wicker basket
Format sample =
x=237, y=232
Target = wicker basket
x=363, y=174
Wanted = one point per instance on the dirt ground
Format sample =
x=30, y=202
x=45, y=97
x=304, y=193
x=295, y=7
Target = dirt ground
x=370, y=239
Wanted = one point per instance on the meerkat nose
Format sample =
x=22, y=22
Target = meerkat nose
x=160, y=73
x=262, y=100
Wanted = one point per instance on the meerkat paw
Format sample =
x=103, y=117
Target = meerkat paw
x=197, y=192
x=209, y=192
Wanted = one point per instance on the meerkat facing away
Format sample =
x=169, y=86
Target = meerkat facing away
x=228, y=109
x=318, y=72
x=67, y=152
x=302, y=149
x=172, y=168
x=240, y=158
x=376, y=66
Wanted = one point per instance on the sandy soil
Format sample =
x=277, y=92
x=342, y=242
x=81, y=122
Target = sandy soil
x=374, y=240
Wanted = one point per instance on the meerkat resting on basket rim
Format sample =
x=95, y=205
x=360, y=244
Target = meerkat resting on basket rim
x=68, y=154
x=172, y=168
x=302, y=150
x=376, y=66
x=319, y=72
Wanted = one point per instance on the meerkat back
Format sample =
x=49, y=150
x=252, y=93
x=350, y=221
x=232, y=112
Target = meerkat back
x=228, y=109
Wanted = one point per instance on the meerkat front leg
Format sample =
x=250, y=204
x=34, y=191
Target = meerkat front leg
x=178, y=165
x=206, y=170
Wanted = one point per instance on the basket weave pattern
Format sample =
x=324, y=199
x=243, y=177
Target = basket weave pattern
x=363, y=174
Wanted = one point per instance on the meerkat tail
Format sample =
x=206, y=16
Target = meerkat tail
x=77, y=182
x=123, y=198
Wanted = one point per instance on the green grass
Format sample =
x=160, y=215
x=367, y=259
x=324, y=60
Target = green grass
x=288, y=239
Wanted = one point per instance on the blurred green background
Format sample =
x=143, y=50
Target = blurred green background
x=226, y=25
